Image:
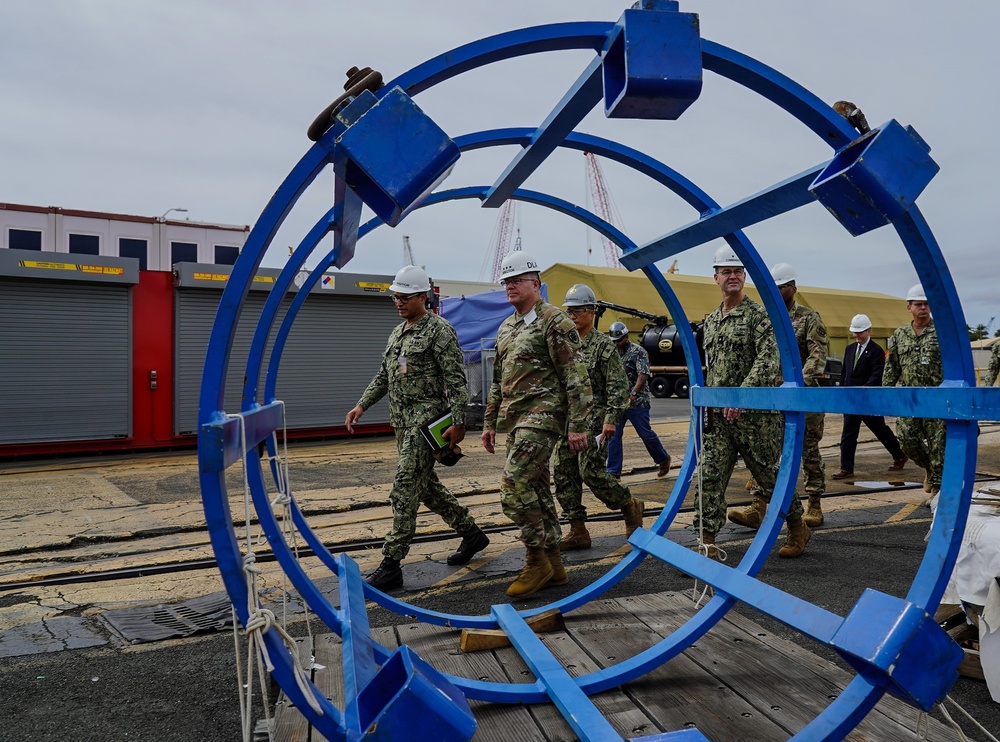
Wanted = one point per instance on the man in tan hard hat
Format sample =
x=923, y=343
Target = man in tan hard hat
x=740, y=350
x=540, y=393
x=914, y=359
x=864, y=363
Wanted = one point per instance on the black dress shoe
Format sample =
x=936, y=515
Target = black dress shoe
x=843, y=474
x=471, y=544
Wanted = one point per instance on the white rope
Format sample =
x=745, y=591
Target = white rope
x=282, y=502
x=969, y=716
x=259, y=621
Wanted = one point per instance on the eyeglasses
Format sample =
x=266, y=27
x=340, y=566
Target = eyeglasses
x=574, y=311
x=402, y=298
x=511, y=281
x=730, y=271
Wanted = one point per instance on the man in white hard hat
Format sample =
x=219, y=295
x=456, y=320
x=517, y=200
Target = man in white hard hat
x=864, y=363
x=540, y=393
x=914, y=359
x=814, y=344
x=422, y=373
x=740, y=350
x=571, y=469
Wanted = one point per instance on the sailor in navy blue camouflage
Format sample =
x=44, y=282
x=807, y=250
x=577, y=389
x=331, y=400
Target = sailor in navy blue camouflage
x=422, y=373
x=610, y=388
x=540, y=393
x=740, y=350
x=914, y=359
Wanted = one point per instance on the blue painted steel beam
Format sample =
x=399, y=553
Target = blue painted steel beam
x=579, y=100
x=780, y=198
x=947, y=402
x=589, y=724
x=358, y=655
x=223, y=439
x=879, y=638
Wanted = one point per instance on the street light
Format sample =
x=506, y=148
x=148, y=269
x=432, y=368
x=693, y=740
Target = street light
x=164, y=215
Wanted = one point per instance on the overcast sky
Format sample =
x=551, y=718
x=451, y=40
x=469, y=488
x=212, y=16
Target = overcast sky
x=138, y=107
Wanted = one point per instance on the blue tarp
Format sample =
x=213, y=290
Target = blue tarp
x=477, y=317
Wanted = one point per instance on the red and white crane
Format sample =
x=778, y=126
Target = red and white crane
x=500, y=243
x=601, y=204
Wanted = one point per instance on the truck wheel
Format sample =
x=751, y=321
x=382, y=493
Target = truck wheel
x=659, y=387
x=681, y=387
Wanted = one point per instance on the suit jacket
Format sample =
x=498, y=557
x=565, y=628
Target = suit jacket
x=867, y=371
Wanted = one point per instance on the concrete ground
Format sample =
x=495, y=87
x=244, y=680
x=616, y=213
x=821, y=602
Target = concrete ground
x=70, y=528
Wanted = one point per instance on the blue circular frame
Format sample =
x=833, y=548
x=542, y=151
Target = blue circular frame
x=931, y=578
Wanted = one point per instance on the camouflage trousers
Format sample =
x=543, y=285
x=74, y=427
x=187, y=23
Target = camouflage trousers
x=922, y=439
x=525, y=494
x=813, y=470
x=757, y=437
x=571, y=470
x=417, y=483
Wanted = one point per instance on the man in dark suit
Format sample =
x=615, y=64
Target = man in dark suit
x=864, y=361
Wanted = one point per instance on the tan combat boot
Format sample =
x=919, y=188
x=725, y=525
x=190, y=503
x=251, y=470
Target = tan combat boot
x=814, y=517
x=708, y=539
x=752, y=515
x=536, y=574
x=559, y=576
x=577, y=538
x=798, y=536
x=633, y=516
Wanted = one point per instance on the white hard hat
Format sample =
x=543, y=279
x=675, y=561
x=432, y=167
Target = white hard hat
x=411, y=280
x=916, y=293
x=783, y=273
x=516, y=264
x=860, y=323
x=726, y=256
x=580, y=295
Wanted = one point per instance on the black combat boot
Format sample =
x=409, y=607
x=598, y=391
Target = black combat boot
x=387, y=576
x=474, y=541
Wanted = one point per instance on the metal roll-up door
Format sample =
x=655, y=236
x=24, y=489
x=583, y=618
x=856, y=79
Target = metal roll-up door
x=65, y=359
x=332, y=352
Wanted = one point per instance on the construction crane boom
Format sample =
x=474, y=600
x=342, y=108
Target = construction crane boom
x=407, y=251
x=601, y=201
x=500, y=245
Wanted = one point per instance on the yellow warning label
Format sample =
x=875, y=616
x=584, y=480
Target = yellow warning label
x=104, y=270
x=47, y=266
x=202, y=276
x=369, y=286
x=263, y=279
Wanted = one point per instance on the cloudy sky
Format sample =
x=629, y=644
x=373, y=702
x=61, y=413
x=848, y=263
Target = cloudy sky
x=138, y=107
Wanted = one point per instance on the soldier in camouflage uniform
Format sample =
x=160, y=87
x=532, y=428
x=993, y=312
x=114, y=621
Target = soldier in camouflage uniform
x=540, y=393
x=914, y=359
x=422, y=373
x=814, y=343
x=610, y=388
x=740, y=350
x=993, y=372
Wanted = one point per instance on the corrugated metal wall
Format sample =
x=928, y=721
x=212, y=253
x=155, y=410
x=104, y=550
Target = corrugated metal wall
x=331, y=354
x=64, y=361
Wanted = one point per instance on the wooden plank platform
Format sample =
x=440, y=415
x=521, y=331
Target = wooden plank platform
x=739, y=682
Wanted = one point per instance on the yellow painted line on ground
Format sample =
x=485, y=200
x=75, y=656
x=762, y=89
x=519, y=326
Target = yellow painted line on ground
x=904, y=512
